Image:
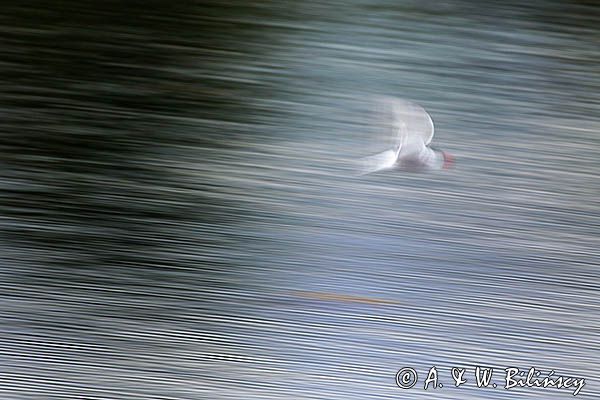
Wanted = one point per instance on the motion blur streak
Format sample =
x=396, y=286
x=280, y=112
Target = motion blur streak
x=179, y=220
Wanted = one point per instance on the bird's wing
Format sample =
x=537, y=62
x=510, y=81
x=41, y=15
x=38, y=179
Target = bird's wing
x=378, y=162
x=413, y=119
x=411, y=131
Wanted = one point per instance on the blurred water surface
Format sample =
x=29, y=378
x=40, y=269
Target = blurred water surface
x=181, y=222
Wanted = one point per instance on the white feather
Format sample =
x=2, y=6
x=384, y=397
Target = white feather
x=412, y=130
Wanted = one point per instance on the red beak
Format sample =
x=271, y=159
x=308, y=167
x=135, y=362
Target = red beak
x=448, y=160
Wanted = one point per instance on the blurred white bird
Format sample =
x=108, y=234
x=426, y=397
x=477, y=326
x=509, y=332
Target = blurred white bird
x=412, y=131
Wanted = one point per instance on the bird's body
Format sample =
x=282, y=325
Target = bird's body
x=412, y=131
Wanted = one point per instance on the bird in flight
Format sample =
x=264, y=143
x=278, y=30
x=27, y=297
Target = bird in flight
x=411, y=131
